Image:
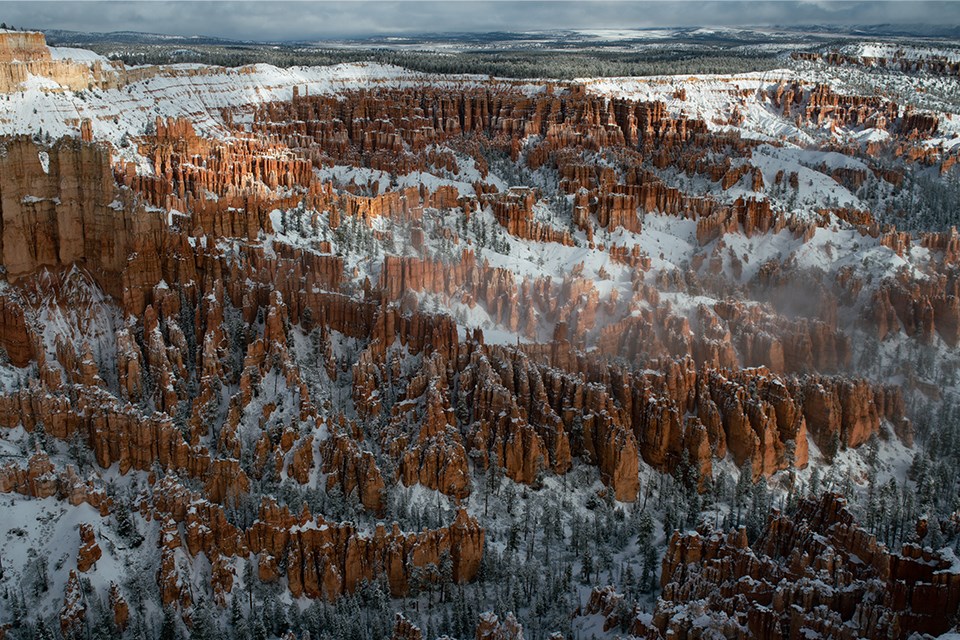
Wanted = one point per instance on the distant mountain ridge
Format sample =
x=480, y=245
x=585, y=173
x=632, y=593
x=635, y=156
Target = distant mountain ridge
x=61, y=37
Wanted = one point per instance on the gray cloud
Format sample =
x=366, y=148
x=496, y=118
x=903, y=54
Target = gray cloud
x=280, y=20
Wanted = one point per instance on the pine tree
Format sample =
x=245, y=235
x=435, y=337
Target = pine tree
x=40, y=436
x=815, y=482
x=757, y=513
x=744, y=484
x=236, y=613
x=647, y=552
x=833, y=447
x=493, y=477
x=249, y=581
x=168, y=625
x=41, y=631
x=934, y=538
x=463, y=411
x=79, y=452
x=586, y=565
x=203, y=627
x=125, y=525
x=259, y=629
x=670, y=519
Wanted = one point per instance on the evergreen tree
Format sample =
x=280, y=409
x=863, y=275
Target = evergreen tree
x=237, y=620
x=934, y=538
x=203, y=627
x=833, y=447
x=744, y=484
x=168, y=625
x=647, y=552
x=815, y=482
x=41, y=631
x=586, y=565
x=759, y=507
x=125, y=525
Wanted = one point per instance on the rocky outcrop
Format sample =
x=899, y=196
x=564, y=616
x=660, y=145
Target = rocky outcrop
x=921, y=309
x=325, y=561
x=403, y=629
x=352, y=469
x=60, y=207
x=514, y=211
x=25, y=53
x=15, y=338
x=74, y=609
x=40, y=479
x=932, y=63
x=816, y=571
x=490, y=627
x=174, y=587
x=848, y=410
x=23, y=46
x=89, y=551
x=119, y=607
x=321, y=558
x=605, y=602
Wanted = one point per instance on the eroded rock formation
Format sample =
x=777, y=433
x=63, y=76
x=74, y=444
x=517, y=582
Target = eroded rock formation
x=815, y=572
x=274, y=301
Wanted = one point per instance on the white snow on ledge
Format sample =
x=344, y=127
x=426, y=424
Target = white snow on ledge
x=35, y=199
x=193, y=91
x=77, y=55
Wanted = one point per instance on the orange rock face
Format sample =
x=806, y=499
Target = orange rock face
x=120, y=608
x=325, y=561
x=352, y=469
x=322, y=559
x=23, y=46
x=89, y=551
x=74, y=610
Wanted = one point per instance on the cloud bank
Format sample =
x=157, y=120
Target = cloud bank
x=282, y=20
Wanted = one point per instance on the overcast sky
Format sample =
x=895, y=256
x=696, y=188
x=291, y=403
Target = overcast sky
x=270, y=20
